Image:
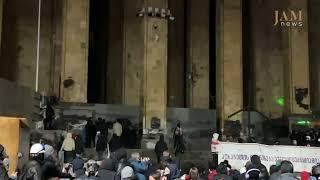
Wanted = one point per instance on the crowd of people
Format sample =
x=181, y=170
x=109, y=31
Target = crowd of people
x=120, y=166
x=308, y=137
x=112, y=162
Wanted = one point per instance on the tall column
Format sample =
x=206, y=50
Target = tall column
x=75, y=51
x=269, y=52
x=145, y=61
x=229, y=59
x=198, y=54
x=298, y=66
x=132, y=53
x=155, y=66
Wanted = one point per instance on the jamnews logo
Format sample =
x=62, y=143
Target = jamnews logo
x=288, y=18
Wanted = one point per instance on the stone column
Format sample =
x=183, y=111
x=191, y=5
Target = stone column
x=155, y=66
x=198, y=54
x=145, y=61
x=75, y=51
x=229, y=59
x=298, y=66
x=269, y=52
x=132, y=53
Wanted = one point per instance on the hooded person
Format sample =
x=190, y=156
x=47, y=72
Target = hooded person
x=120, y=161
x=160, y=147
x=107, y=171
x=127, y=173
x=68, y=146
x=255, y=160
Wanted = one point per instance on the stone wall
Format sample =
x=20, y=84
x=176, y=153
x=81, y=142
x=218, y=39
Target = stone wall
x=17, y=101
x=19, y=43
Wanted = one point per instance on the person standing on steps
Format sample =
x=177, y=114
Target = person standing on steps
x=179, y=146
x=161, y=146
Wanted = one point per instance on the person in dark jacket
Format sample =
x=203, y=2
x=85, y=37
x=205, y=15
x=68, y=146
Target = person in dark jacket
x=49, y=116
x=90, y=130
x=161, y=146
x=222, y=171
x=78, y=166
x=31, y=171
x=119, y=159
x=115, y=143
x=255, y=160
x=179, y=146
x=100, y=145
x=253, y=173
x=107, y=171
x=173, y=167
x=79, y=144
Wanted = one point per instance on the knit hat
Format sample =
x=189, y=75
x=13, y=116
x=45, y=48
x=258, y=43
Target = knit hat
x=127, y=172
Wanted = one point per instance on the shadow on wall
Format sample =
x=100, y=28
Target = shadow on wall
x=10, y=48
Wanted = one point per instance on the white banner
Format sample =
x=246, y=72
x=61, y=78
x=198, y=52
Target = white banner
x=303, y=158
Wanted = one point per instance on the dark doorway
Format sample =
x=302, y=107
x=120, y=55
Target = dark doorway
x=212, y=54
x=98, y=45
x=248, y=63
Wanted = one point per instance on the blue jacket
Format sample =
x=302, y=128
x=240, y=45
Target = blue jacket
x=139, y=168
x=174, y=171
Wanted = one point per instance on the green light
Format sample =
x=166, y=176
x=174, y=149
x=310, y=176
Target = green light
x=280, y=101
x=303, y=122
